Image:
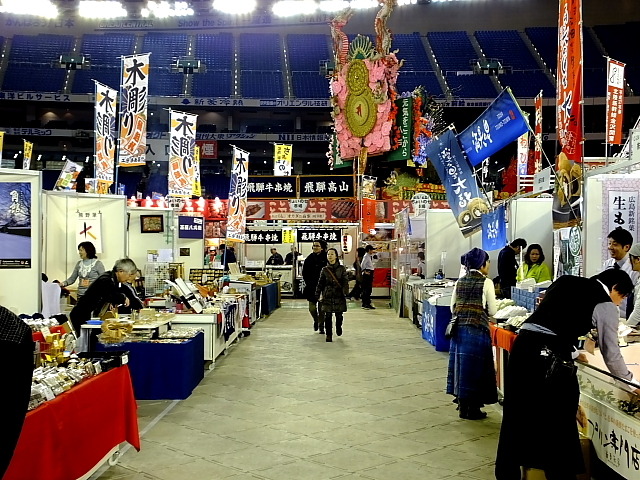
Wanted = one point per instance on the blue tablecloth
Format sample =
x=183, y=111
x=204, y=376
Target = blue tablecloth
x=268, y=298
x=164, y=371
x=434, y=324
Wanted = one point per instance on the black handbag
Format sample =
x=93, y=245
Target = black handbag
x=556, y=368
x=452, y=326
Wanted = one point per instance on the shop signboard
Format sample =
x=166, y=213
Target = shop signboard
x=466, y=201
x=134, y=94
x=622, y=209
x=542, y=180
x=499, y=125
x=263, y=237
x=523, y=152
x=26, y=157
x=265, y=186
x=614, y=437
x=307, y=235
x=89, y=229
x=208, y=149
x=322, y=186
x=190, y=227
x=181, y=153
x=197, y=185
x=537, y=152
x=104, y=148
x=404, y=125
x=282, y=159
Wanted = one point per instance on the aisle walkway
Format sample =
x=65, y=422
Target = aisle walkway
x=284, y=404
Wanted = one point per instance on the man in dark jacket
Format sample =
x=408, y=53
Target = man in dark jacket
x=106, y=289
x=17, y=346
x=508, y=265
x=275, y=258
x=311, y=274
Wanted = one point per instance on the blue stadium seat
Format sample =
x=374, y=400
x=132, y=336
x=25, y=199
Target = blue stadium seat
x=260, y=51
x=620, y=42
x=212, y=84
x=453, y=50
x=508, y=47
x=261, y=84
x=83, y=80
x=411, y=50
x=528, y=84
x=165, y=48
x=305, y=51
x=309, y=85
x=216, y=51
x=545, y=41
x=471, y=86
x=408, y=81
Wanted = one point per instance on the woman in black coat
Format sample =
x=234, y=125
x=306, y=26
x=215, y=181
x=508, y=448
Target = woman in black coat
x=539, y=428
x=332, y=291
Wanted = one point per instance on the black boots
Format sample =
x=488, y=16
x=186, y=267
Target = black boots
x=470, y=410
x=328, y=326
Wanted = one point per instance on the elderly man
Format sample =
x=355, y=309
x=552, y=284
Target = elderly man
x=107, y=289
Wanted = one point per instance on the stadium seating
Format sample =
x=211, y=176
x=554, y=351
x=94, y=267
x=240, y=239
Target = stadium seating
x=262, y=84
x=453, y=51
x=620, y=43
x=508, y=47
x=471, y=86
x=216, y=53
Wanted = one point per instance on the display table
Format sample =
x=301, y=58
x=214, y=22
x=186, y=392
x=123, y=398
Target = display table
x=502, y=341
x=214, y=342
x=89, y=333
x=268, y=298
x=69, y=436
x=164, y=371
x=435, y=319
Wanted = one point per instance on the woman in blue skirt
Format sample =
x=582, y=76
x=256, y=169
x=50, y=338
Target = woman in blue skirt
x=472, y=376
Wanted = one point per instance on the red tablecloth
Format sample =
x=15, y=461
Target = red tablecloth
x=65, y=438
x=502, y=338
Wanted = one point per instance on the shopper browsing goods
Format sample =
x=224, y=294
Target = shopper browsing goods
x=367, y=277
x=539, y=428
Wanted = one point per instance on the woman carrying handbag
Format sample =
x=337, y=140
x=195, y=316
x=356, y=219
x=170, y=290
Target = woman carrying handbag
x=332, y=290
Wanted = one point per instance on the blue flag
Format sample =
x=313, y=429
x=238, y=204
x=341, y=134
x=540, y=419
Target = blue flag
x=499, y=125
x=463, y=194
x=494, y=229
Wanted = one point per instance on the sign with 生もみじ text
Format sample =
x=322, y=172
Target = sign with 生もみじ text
x=623, y=211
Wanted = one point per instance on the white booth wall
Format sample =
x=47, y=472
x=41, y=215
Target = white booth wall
x=61, y=216
x=20, y=287
x=529, y=218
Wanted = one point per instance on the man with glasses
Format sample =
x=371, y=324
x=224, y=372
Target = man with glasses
x=108, y=288
x=311, y=268
x=619, y=243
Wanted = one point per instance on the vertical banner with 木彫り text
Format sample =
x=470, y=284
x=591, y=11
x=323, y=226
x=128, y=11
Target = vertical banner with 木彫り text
x=105, y=134
x=26, y=157
x=569, y=83
x=197, y=185
x=134, y=94
x=615, y=101
x=182, y=142
x=238, y=195
x=537, y=143
x=523, y=152
x=282, y=159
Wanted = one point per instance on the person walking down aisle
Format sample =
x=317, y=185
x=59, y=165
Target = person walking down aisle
x=17, y=345
x=332, y=289
x=88, y=269
x=311, y=274
x=539, y=428
x=508, y=266
x=472, y=377
x=533, y=266
x=367, y=277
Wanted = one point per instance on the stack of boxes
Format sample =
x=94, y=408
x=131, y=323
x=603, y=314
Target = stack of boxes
x=527, y=297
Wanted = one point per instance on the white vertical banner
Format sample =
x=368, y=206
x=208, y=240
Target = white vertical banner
x=182, y=143
x=89, y=229
x=105, y=134
x=623, y=211
x=237, y=217
x=134, y=94
x=282, y=156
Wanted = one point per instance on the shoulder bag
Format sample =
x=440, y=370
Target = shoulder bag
x=333, y=276
x=452, y=326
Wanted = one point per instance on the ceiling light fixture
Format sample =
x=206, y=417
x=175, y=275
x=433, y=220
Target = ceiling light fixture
x=235, y=7
x=101, y=9
x=290, y=8
x=38, y=8
x=164, y=9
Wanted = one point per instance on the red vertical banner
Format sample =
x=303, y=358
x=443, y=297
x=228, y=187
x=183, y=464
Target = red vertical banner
x=537, y=152
x=615, y=101
x=368, y=215
x=569, y=90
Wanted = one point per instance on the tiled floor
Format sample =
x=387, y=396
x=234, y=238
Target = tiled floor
x=284, y=404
